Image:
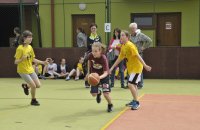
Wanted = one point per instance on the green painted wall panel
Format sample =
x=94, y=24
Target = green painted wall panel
x=59, y=26
x=45, y=21
x=120, y=17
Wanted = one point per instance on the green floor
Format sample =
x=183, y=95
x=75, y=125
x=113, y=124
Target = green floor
x=67, y=105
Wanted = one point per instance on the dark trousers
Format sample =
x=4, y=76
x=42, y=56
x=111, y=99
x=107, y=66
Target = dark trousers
x=121, y=72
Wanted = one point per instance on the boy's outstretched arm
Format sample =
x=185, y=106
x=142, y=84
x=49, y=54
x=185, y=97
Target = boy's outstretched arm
x=148, y=68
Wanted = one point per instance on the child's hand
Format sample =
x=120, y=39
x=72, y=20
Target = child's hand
x=46, y=62
x=148, y=68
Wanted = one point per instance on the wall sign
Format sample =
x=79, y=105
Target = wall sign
x=168, y=25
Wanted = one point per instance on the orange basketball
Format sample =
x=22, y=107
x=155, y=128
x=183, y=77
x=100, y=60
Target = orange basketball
x=93, y=79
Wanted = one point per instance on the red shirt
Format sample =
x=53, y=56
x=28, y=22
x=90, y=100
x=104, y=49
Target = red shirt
x=98, y=65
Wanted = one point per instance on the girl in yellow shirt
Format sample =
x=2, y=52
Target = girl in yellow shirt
x=24, y=57
x=134, y=64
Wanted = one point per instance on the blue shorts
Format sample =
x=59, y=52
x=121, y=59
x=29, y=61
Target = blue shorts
x=104, y=84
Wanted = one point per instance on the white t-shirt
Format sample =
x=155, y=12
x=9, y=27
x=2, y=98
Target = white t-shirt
x=51, y=68
x=114, y=44
x=63, y=69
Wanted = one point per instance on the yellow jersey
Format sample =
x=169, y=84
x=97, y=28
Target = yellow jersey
x=80, y=67
x=25, y=67
x=129, y=51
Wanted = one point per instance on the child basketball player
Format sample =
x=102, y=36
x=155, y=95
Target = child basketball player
x=24, y=57
x=134, y=64
x=97, y=63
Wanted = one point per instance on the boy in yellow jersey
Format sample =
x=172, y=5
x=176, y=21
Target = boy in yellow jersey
x=24, y=57
x=134, y=64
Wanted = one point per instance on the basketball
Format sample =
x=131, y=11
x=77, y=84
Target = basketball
x=93, y=79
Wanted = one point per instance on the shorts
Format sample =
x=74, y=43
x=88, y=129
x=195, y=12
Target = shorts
x=134, y=78
x=29, y=77
x=104, y=85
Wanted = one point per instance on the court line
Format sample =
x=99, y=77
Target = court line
x=117, y=116
x=170, y=101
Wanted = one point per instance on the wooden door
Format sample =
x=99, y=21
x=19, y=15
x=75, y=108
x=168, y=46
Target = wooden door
x=168, y=29
x=84, y=21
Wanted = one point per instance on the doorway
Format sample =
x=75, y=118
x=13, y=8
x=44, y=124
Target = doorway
x=9, y=20
x=83, y=21
x=168, y=29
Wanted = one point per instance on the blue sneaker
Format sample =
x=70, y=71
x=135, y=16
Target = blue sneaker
x=135, y=105
x=129, y=104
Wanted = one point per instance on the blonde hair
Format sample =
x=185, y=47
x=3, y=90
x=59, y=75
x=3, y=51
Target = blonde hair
x=133, y=25
x=101, y=47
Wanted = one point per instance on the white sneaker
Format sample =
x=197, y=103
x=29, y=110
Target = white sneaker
x=68, y=78
x=76, y=78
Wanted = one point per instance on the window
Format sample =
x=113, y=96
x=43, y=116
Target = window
x=144, y=21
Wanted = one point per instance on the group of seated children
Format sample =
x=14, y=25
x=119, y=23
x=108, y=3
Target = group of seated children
x=60, y=71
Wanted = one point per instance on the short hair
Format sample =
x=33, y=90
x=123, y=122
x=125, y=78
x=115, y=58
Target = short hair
x=93, y=24
x=133, y=25
x=17, y=30
x=126, y=33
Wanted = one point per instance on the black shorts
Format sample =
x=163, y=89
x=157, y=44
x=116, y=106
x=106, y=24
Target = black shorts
x=104, y=85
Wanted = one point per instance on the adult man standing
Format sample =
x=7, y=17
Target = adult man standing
x=141, y=41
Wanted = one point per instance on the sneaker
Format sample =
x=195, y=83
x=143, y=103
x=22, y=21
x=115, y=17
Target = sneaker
x=68, y=78
x=76, y=78
x=122, y=86
x=135, y=105
x=98, y=99
x=42, y=77
x=25, y=87
x=129, y=104
x=110, y=108
x=126, y=87
x=34, y=102
x=87, y=84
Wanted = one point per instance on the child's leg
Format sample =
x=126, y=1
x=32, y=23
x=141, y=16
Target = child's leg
x=30, y=84
x=72, y=72
x=78, y=72
x=57, y=74
x=106, y=91
x=134, y=92
x=95, y=92
x=44, y=70
x=36, y=80
x=107, y=97
x=132, y=84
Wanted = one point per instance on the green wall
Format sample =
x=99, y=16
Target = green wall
x=45, y=21
x=120, y=17
x=188, y=8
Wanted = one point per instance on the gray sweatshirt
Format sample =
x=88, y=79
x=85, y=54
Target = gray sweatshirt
x=141, y=40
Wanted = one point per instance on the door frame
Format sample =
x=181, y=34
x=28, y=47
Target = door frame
x=73, y=25
x=156, y=26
